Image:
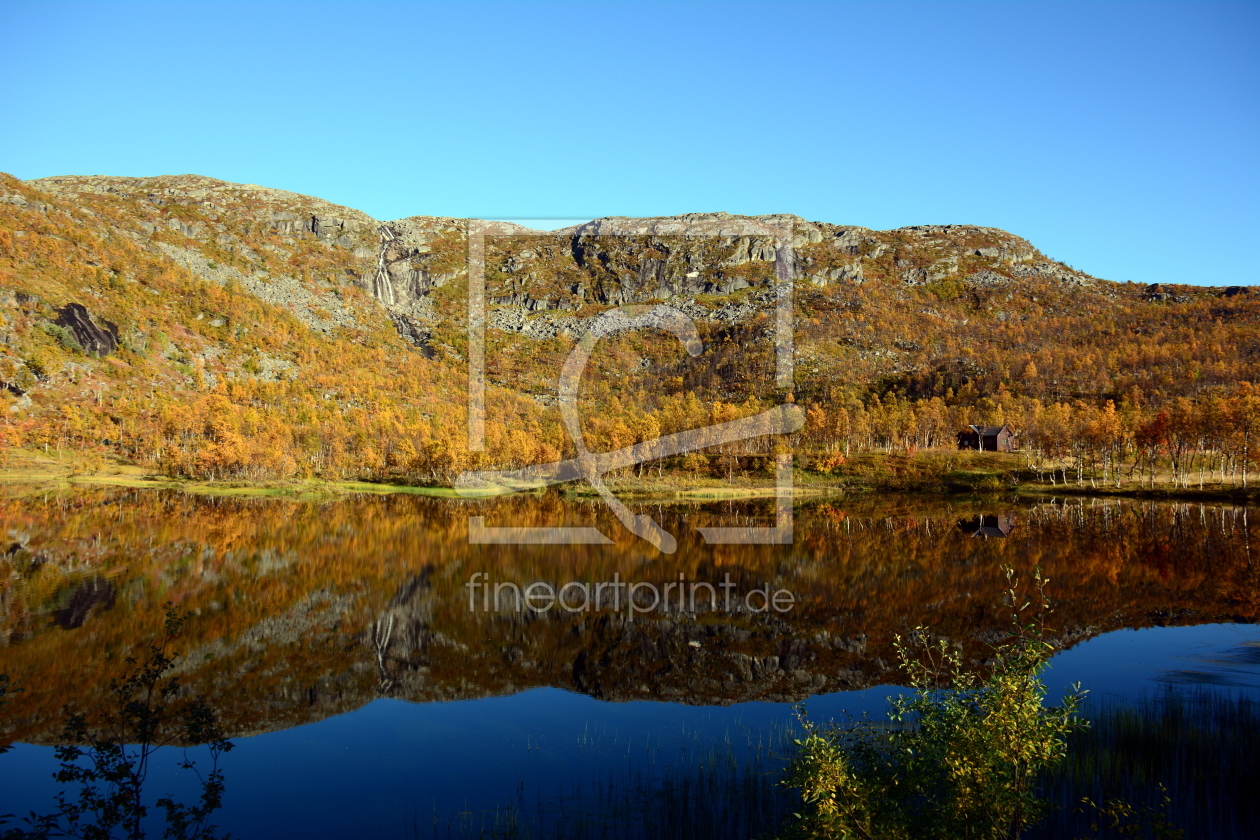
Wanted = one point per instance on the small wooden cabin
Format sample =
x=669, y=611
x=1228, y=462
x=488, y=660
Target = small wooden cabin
x=987, y=438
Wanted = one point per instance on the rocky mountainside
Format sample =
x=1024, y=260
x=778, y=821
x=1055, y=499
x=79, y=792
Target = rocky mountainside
x=124, y=297
x=271, y=241
x=226, y=233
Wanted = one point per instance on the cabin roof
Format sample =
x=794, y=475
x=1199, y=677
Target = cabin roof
x=988, y=431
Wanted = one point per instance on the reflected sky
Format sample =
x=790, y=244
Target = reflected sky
x=392, y=765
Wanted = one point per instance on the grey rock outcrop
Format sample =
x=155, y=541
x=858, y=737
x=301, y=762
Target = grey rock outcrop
x=634, y=260
x=98, y=340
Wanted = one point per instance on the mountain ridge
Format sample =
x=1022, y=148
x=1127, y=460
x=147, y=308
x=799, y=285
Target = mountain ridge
x=308, y=338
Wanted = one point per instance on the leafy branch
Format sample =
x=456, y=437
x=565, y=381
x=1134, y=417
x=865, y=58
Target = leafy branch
x=109, y=761
x=962, y=755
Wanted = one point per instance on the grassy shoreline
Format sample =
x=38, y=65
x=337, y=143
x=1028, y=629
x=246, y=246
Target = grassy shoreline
x=38, y=473
x=932, y=475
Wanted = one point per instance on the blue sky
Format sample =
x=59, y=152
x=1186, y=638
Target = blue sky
x=1120, y=137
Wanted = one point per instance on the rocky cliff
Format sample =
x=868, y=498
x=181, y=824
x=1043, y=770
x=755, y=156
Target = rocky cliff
x=290, y=250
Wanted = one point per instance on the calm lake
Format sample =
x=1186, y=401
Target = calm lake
x=373, y=686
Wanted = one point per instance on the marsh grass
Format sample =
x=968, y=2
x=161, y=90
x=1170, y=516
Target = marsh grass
x=1176, y=764
x=1201, y=746
x=725, y=790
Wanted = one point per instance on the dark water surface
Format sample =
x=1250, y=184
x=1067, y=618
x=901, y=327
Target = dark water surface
x=371, y=693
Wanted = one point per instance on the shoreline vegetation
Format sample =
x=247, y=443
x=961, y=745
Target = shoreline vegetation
x=1173, y=764
x=932, y=474
x=961, y=755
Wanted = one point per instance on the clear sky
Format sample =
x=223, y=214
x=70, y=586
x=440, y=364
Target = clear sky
x=1120, y=137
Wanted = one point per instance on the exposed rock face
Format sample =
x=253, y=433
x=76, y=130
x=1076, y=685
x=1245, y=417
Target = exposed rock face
x=536, y=279
x=100, y=341
x=632, y=260
x=617, y=261
x=414, y=331
x=1166, y=293
x=404, y=263
x=422, y=253
x=302, y=253
x=285, y=212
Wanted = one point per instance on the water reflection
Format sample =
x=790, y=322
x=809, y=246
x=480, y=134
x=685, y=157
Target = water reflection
x=81, y=599
x=988, y=525
x=304, y=610
x=1237, y=667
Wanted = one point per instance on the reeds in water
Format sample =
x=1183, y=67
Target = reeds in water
x=1189, y=760
x=728, y=789
x=1176, y=764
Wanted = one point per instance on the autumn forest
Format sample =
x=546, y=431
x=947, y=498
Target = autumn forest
x=238, y=333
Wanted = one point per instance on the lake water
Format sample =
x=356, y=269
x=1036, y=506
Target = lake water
x=355, y=652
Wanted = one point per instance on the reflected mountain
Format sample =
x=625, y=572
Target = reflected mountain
x=301, y=610
x=1236, y=668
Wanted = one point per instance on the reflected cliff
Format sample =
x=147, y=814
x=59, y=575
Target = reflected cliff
x=302, y=610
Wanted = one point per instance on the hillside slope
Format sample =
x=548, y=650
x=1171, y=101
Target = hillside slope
x=227, y=330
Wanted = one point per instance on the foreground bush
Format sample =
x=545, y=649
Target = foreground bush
x=962, y=755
